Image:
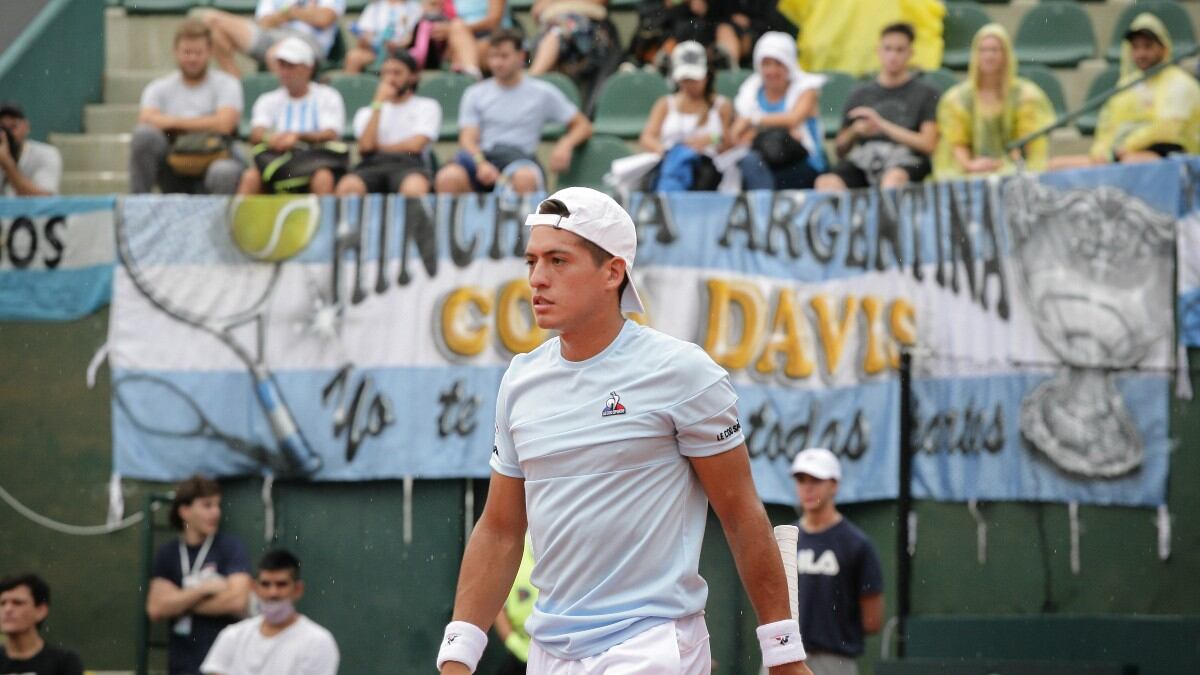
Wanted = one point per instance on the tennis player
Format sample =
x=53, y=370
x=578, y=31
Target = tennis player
x=611, y=441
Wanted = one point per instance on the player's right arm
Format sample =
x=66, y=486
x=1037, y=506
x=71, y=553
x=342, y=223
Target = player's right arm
x=492, y=558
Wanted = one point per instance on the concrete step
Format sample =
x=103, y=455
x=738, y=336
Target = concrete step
x=110, y=118
x=125, y=86
x=94, y=183
x=142, y=41
x=93, y=152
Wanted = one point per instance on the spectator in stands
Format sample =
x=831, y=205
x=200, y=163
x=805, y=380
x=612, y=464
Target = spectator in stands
x=688, y=128
x=314, y=21
x=841, y=34
x=194, y=105
x=279, y=640
x=978, y=117
x=1153, y=119
x=199, y=582
x=296, y=128
x=484, y=17
x=697, y=21
x=839, y=576
x=500, y=122
x=394, y=134
x=779, y=119
x=573, y=37
x=424, y=29
x=889, y=125
x=24, y=606
x=28, y=168
x=742, y=22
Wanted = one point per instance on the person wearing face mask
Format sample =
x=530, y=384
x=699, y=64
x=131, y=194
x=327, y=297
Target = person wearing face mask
x=280, y=639
x=199, y=582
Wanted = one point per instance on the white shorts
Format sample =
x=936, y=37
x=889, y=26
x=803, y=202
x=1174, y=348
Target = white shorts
x=677, y=647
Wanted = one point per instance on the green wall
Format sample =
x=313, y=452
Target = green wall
x=386, y=601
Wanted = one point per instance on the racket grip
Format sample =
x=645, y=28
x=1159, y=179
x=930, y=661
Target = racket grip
x=291, y=442
x=786, y=537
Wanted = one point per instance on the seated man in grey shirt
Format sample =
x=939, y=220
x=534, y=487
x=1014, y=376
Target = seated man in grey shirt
x=27, y=168
x=195, y=98
x=500, y=122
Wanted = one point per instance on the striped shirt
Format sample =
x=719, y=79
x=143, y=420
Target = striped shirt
x=319, y=109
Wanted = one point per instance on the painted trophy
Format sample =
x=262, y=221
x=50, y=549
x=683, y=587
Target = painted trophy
x=1095, y=267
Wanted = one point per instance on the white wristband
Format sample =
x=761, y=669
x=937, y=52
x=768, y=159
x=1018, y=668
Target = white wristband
x=780, y=643
x=464, y=642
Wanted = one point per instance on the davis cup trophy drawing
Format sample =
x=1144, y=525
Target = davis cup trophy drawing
x=1096, y=268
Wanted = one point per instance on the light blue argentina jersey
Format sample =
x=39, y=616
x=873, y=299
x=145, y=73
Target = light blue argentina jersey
x=616, y=514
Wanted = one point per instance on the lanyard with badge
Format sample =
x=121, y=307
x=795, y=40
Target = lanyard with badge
x=190, y=573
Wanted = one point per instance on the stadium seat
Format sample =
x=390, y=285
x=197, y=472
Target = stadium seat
x=567, y=86
x=592, y=160
x=1107, y=79
x=940, y=79
x=253, y=86
x=728, y=81
x=1055, y=34
x=833, y=100
x=1048, y=81
x=625, y=100
x=356, y=6
x=963, y=20
x=238, y=6
x=1174, y=16
x=161, y=6
x=357, y=92
x=447, y=89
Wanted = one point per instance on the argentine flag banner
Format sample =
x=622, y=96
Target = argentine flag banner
x=56, y=257
x=365, y=339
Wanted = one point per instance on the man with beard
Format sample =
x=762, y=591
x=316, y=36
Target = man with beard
x=193, y=100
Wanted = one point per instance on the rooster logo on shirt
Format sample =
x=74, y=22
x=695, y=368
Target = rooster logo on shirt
x=613, y=405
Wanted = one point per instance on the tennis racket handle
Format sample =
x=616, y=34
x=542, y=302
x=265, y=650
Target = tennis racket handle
x=291, y=442
x=786, y=537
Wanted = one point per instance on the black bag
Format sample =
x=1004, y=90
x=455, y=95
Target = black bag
x=292, y=170
x=778, y=147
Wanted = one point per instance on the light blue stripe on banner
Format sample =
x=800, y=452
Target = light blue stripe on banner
x=36, y=207
x=949, y=468
x=54, y=295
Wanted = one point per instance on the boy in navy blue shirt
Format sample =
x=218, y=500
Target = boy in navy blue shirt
x=840, y=580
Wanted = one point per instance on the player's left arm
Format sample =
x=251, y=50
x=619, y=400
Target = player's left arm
x=730, y=489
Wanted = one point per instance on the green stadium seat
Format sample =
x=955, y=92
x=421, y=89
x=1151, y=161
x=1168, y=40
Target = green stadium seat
x=833, y=100
x=1107, y=79
x=356, y=6
x=1048, y=81
x=625, y=101
x=520, y=5
x=592, y=160
x=161, y=6
x=237, y=6
x=447, y=89
x=728, y=81
x=253, y=86
x=1174, y=16
x=357, y=92
x=962, y=21
x=940, y=79
x=1055, y=34
x=567, y=86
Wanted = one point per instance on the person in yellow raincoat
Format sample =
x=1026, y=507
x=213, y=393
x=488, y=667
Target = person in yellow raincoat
x=1155, y=118
x=510, y=623
x=978, y=117
x=842, y=34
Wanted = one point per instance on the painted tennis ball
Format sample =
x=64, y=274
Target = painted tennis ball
x=273, y=227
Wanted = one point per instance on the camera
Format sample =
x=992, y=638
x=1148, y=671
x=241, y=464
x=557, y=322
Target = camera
x=14, y=146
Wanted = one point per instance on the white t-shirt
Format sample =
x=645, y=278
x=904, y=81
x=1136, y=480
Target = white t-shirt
x=170, y=95
x=40, y=163
x=418, y=116
x=323, y=36
x=321, y=108
x=616, y=513
x=402, y=17
x=303, y=648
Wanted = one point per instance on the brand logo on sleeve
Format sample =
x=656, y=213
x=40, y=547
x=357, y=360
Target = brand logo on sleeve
x=613, y=406
x=729, y=431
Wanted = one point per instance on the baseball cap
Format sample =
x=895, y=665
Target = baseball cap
x=689, y=61
x=818, y=463
x=11, y=109
x=294, y=50
x=1142, y=32
x=600, y=219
